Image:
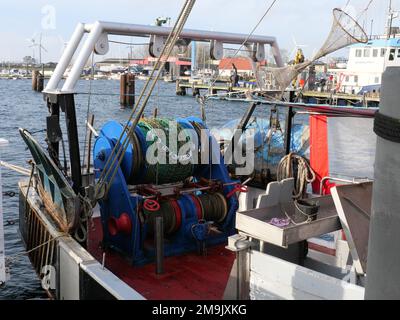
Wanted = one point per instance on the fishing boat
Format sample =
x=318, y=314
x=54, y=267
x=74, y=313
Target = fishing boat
x=124, y=227
x=367, y=61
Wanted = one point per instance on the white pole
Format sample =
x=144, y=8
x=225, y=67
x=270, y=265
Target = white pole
x=383, y=265
x=66, y=58
x=2, y=252
x=83, y=57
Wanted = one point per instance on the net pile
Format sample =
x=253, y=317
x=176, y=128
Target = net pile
x=175, y=169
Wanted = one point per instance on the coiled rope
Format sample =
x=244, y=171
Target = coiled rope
x=298, y=167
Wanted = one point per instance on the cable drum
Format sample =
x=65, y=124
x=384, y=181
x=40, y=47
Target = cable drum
x=169, y=213
x=173, y=170
x=137, y=162
x=214, y=207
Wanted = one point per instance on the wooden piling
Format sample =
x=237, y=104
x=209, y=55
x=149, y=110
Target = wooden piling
x=180, y=91
x=127, y=90
x=40, y=83
x=196, y=92
x=122, y=90
x=34, y=79
x=177, y=87
x=37, y=81
x=130, y=82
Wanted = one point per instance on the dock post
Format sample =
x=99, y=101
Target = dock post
x=180, y=91
x=177, y=87
x=383, y=264
x=122, y=90
x=155, y=113
x=37, y=81
x=40, y=82
x=130, y=89
x=34, y=77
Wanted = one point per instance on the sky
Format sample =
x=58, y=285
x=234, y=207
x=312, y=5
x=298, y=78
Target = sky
x=306, y=22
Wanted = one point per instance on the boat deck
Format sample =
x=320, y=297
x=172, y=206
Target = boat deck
x=186, y=277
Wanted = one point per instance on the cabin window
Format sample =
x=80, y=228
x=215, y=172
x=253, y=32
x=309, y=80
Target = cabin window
x=398, y=53
x=366, y=53
x=375, y=53
x=347, y=78
x=355, y=79
x=383, y=52
x=391, y=54
x=376, y=79
x=358, y=53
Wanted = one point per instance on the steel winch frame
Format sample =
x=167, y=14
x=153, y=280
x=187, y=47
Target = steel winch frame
x=125, y=202
x=62, y=98
x=98, y=38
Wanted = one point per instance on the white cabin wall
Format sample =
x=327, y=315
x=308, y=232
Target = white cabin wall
x=367, y=69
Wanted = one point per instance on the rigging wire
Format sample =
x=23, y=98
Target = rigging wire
x=88, y=107
x=365, y=10
x=117, y=94
x=247, y=38
x=170, y=46
x=170, y=43
x=144, y=89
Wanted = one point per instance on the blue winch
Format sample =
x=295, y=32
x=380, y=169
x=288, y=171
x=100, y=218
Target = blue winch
x=196, y=200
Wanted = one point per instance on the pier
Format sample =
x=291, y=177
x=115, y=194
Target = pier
x=340, y=99
x=182, y=87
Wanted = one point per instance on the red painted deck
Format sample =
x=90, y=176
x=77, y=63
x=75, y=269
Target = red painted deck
x=186, y=277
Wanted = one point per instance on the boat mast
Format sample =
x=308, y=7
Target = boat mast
x=389, y=20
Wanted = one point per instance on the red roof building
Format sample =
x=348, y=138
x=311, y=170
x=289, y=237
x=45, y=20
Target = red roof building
x=242, y=64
